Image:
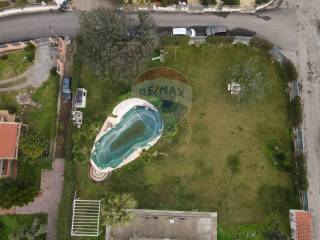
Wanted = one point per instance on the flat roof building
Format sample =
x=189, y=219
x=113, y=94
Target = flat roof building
x=158, y=224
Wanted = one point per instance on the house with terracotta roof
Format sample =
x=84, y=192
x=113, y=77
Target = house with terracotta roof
x=9, y=142
x=300, y=224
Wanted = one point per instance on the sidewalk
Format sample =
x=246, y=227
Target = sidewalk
x=31, y=9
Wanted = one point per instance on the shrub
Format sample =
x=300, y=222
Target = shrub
x=277, y=156
x=262, y=44
x=53, y=71
x=231, y=2
x=233, y=162
x=289, y=71
x=174, y=40
x=32, y=146
x=16, y=192
x=30, y=47
x=165, y=3
x=295, y=112
x=251, y=78
x=4, y=57
x=208, y=2
x=301, y=172
x=218, y=39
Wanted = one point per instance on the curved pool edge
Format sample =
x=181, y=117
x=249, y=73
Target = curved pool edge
x=112, y=121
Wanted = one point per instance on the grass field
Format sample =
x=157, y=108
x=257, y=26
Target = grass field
x=16, y=64
x=11, y=223
x=44, y=119
x=217, y=161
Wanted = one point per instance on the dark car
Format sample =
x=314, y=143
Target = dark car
x=66, y=88
x=216, y=30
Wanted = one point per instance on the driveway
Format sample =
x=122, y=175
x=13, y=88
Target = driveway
x=49, y=197
x=38, y=73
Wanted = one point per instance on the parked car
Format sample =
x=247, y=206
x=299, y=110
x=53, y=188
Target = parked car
x=66, y=88
x=216, y=30
x=183, y=32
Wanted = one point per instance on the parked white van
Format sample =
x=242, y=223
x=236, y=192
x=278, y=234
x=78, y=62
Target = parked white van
x=184, y=31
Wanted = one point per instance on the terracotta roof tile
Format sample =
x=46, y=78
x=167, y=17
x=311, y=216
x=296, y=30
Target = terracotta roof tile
x=303, y=225
x=9, y=136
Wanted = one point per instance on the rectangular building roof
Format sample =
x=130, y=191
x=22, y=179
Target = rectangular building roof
x=157, y=224
x=9, y=140
x=301, y=224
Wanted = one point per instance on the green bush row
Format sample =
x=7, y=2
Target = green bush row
x=174, y=40
x=301, y=172
x=219, y=39
x=262, y=44
x=295, y=112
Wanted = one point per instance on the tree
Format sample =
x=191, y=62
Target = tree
x=28, y=232
x=16, y=192
x=273, y=232
x=114, y=43
x=115, y=208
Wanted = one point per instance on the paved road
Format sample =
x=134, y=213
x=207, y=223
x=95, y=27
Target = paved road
x=307, y=13
x=278, y=26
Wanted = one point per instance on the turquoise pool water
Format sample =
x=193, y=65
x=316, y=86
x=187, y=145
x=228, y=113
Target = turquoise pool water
x=136, y=129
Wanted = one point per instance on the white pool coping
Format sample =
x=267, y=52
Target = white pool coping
x=118, y=112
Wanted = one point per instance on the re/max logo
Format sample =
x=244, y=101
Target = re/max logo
x=162, y=90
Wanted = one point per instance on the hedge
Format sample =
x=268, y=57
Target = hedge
x=295, y=112
x=174, y=40
x=219, y=39
x=262, y=44
x=301, y=172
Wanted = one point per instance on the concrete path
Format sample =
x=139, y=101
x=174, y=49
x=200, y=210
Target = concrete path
x=49, y=197
x=38, y=73
x=9, y=80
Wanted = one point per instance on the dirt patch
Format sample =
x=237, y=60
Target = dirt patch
x=161, y=72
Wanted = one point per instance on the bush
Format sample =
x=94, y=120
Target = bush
x=16, y=192
x=165, y=3
x=262, y=44
x=219, y=39
x=4, y=57
x=32, y=146
x=289, y=71
x=53, y=71
x=231, y=2
x=4, y=4
x=233, y=162
x=208, y=2
x=295, y=112
x=174, y=40
x=30, y=47
x=277, y=156
x=251, y=78
x=301, y=172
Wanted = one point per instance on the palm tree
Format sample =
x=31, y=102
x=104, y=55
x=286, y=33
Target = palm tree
x=115, y=210
x=28, y=232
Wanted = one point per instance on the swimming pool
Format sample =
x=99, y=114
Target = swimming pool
x=138, y=129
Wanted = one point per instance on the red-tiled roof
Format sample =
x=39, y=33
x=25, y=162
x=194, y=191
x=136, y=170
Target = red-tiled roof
x=303, y=225
x=9, y=139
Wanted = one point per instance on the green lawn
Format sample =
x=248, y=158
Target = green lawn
x=44, y=119
x=16, y=64
x=196, y=174
x=10, y=223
